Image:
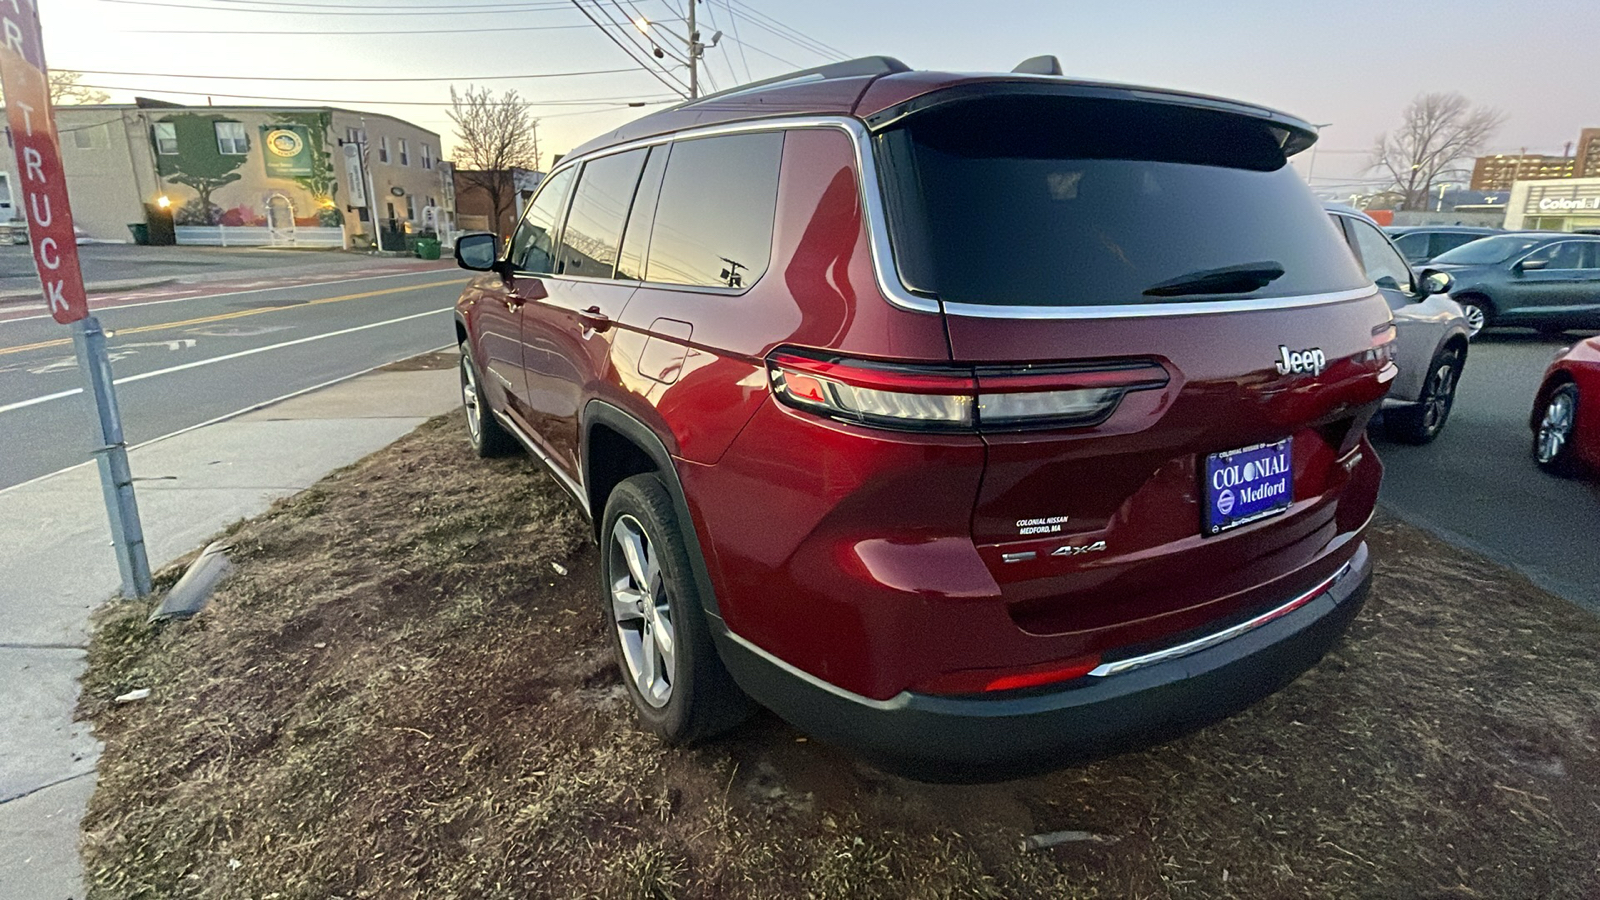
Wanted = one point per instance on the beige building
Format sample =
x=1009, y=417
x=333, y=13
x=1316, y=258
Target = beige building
x=245, y=174
x=1558, y=204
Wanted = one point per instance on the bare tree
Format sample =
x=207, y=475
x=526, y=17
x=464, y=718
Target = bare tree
x=1437, y=131
x=65, y=89
x=493, y=137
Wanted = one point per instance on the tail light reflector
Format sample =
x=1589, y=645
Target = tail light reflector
x=956, y=398
x=987, y=681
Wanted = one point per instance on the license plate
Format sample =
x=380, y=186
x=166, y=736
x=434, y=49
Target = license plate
x=1247, y=484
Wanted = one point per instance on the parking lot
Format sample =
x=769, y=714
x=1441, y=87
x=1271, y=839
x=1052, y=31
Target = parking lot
x=1477, y=484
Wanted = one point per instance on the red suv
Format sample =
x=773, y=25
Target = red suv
x=981, y=423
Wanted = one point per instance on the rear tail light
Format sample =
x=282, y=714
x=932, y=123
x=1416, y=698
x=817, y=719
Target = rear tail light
x=951, y=398
x=988, y=681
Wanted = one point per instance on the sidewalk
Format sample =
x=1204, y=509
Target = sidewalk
x=57, y=567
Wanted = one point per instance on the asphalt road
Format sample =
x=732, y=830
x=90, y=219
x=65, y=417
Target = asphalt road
x=124, y=262
x=1477, y=485
x=185, y=361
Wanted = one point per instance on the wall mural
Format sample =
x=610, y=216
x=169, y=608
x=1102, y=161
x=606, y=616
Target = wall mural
x=292, y=150
x=198, y=164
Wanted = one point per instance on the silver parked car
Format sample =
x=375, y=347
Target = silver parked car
x=1431, y=332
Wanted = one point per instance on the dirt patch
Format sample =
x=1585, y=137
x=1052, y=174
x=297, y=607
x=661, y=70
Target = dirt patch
x=398, y=695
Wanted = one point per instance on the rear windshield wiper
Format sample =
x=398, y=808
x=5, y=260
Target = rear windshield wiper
x=1239, y=279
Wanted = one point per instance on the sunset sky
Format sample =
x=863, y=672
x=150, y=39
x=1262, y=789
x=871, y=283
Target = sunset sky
x=1353, y=64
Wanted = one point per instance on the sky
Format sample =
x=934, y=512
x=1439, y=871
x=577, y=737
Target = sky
x=1353, y=64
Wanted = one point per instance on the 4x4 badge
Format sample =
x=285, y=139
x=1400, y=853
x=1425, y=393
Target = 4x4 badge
x=1311, y=360
x=1070, y=550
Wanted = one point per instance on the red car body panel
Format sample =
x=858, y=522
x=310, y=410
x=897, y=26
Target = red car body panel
x=1580, y=365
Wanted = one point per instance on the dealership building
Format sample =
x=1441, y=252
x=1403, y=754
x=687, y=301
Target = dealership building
x=243, y=175
x=1556, y=204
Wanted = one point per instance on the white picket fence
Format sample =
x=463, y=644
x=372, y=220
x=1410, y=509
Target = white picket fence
x=259, y=236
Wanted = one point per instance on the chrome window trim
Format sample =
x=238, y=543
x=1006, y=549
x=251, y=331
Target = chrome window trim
x=1119, y=666
x=1141, y=310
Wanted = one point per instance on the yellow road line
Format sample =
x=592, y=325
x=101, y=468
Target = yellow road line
x=60, y=342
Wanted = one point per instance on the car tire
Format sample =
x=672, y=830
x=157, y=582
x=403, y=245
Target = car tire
x=1421, y=422
x=1557, y=419
x=679, y=687
x=1479, y=313
x=484, y=432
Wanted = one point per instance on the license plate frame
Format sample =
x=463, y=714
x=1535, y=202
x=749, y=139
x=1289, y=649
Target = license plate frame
x=1246, y=485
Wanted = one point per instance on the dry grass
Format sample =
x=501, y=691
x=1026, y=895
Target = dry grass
x=397, y=696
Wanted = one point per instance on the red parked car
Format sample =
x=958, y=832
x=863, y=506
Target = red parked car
x=1566, y=411
x=983, y=424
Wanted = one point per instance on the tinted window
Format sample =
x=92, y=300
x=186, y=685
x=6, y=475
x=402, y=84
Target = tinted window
x=713, y=222
x=599, y=208
x=1413, y=245
x=1384, y=266
x=1445, y=241
x=1051, y=201
x=533, y=246
x=1487, y=251
x=1564, y=255
x=630, y=265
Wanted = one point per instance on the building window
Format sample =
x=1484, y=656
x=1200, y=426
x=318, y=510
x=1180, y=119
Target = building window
x=355, y=135
x=430, y=202
x=231, y=140
x=83, y=137
x=427, y=157
x=383, y=149
x=405, y=153
x=166, y=134
x=411, y=208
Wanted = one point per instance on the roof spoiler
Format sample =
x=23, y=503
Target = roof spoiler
x=853, y=68
x=1038, y=65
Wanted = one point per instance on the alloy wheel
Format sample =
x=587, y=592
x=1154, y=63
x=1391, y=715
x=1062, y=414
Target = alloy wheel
x=1555, y=428
x=641, y=612
x=469, y=398
x=1441, y=392
x=1475, y=318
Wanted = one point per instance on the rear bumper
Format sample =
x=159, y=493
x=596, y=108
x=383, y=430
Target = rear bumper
x=987, y=738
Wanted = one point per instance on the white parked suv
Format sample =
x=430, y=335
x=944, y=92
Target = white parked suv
x=1430, y=345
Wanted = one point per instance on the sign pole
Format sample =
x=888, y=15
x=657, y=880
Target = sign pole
x=55, y=256
x=111, y=457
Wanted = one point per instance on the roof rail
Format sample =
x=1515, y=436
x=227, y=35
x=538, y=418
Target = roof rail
x=853, y=68
x=1039, y=65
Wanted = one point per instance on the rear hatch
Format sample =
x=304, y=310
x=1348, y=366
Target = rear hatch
x=1170, y=253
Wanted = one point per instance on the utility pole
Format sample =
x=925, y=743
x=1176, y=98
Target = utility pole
x=694, y=54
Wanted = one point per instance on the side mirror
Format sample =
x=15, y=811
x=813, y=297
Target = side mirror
x=478, y=251
x=1532, y=265
x=1437, y=283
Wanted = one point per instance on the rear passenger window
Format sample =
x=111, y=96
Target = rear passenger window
x=1446, y=241
x=1414, y=246
x=533, y=245
x=713, y=224
x=630, y=264
x=599, y=209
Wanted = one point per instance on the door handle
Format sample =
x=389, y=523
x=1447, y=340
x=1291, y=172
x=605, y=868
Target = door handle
x=594, y=320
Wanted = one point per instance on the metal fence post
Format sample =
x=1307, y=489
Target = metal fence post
x=116, y=479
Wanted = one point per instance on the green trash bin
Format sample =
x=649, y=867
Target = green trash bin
x=141, y=233
x=427, y=248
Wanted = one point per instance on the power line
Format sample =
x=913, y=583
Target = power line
x=792, y=35
x=343, y=31
x=581, y=101
x=733, y=19
x=343, y=12
x=634, y=35
x=352, y=80
x=679, y=88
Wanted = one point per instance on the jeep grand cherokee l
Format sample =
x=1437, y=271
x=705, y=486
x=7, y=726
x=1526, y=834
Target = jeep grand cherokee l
x=981, y=423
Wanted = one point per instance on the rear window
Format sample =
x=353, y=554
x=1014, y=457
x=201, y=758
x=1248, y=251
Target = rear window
x=1030, y=201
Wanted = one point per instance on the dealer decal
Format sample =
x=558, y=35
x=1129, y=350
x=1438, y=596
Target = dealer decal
x=1051, y=525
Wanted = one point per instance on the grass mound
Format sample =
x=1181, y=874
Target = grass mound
x=398, y=695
